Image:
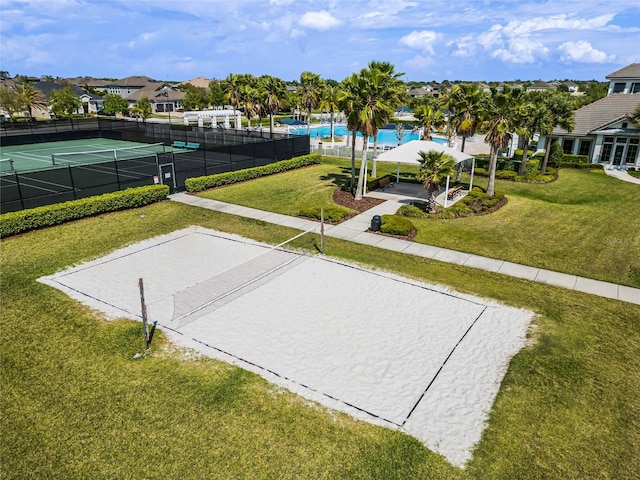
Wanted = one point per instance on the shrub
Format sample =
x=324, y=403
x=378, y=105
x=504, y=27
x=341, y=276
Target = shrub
x=331, y=214
x=575, y=158
x=198, y=184
x=481, y=172
x=532, y=166
x=413, y=211
x=13, y=223
x=396, y=225
x=506, y=174
x=556, y=155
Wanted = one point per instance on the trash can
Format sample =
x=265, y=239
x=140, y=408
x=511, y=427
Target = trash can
x=376, y=221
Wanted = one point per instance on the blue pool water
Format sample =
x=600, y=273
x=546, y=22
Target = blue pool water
x=384, y=136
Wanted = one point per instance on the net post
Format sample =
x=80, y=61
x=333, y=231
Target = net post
x=53, y=159
x=322, y=231
x=145, y=323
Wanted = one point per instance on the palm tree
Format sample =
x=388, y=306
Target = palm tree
x=142, y=108
x=329, y=102
x=310, y=93
x=275, y=91
x=429, y=118
x=392, y=93
x=434, y=168
x=469, y=100
x=532, y=118
x=447, y=103
x=30, y=98
x=231, y=89
x=374, y=107
x=348, y=101
x=499, y=123
x=560, y=107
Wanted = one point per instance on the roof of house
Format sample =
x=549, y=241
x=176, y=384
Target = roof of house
x=630, y=71
x=602, y=113
x=541, y=86
x=155, y=92
x=200, y=82
x=133, y=81
x=47, y=87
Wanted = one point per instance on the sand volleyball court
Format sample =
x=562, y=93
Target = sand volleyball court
x=383, y=348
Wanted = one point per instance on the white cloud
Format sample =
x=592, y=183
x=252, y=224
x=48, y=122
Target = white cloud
x=520, y=50
x=583, y=52
x=319, y=20
x=418, y=62
x=464, y=46
x=560, y=22
x=281, y=3
x=295, y=33
x=422, y=41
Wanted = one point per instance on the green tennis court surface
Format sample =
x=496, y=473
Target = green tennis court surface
x=95, y=150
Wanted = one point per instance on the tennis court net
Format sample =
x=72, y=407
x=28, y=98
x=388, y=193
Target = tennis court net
x=6, y=165
x=93, y=156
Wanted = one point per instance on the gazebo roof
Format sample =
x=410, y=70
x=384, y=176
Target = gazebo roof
x=408, y=152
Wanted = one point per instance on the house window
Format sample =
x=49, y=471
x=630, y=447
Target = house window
x=567, y=145
x=618, y=87
x=635, y=88
x=585, y=147
x=632, y=151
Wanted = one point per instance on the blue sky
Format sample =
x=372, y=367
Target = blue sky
x=426, y=39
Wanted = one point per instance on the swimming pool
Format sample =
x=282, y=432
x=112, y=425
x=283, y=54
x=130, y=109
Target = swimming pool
x=384, y=136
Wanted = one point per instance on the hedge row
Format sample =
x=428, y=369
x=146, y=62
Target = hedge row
x=197, y=184
x=590, y=166
x=13, y=223
x=568, y=158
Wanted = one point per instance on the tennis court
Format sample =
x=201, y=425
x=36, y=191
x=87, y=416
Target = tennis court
x=383, y=348
x=38, y=156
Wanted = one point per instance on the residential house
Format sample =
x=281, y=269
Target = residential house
x=91, y=103
x=625, y=80
x=604, y=130
x=541, y=87
x=162, y=96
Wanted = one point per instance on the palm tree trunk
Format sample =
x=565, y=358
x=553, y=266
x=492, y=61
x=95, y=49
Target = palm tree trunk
x=493, y=157
x=523, y=165
x=363, y=170
x=464, y=140
x=308, y=122
x=374, y=170
x=331, y=127
x=546, y=155
x=353, y=160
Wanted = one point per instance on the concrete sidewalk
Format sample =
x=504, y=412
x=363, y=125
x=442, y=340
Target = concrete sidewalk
x=355, y=230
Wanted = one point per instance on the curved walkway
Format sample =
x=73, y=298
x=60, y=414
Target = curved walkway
x=355, y=230
x=621, y=175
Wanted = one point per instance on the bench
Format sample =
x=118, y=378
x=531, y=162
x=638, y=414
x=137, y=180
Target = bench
x=179, y=144
x=193, y=146
x=452, y=192
x=385, y=182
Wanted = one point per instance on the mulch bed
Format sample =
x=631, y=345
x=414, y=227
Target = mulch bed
x=346, y=199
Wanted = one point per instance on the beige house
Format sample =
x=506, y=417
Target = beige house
x=604, y=130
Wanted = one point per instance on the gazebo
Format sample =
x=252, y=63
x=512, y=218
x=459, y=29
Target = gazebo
x=408, y=153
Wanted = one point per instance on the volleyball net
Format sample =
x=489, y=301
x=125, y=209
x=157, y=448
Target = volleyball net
x=207, y=296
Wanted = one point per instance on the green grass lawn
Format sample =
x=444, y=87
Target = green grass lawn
x=75, y=404
x=583, y=224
